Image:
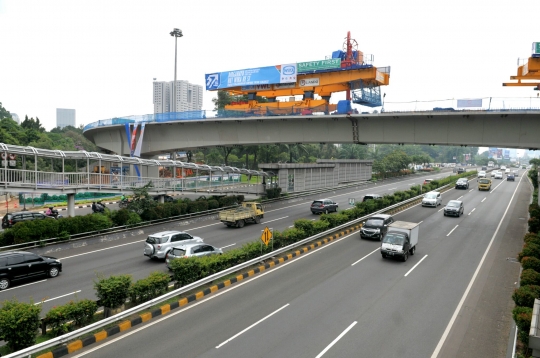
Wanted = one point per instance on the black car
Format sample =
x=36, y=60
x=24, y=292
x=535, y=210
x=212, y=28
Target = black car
x=323, y=206
x=510, y=177
x=376, y=226
x=454, y=208
x=462, y=183
x=484, y=168
x=21, y=265
x=166, y=198
x=460, y=170
x=11, y=219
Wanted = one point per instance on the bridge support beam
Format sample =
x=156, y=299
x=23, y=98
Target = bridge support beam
x=71, y=205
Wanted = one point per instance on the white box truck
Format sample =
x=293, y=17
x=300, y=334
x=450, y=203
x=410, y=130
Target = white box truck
x=400, y=240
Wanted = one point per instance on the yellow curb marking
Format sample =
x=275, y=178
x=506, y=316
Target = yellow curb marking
x=124, y=325
x=213, y=289
x=199, y=295
x=165, y=309
x=46, y=355
x=145, y=317
x=102, y=335
x=74, y=346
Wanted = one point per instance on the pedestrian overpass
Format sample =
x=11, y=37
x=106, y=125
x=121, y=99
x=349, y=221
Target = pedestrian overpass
x=35, y=170
x=169, y=132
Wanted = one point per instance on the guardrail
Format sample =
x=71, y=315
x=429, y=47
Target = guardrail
x=92, y=327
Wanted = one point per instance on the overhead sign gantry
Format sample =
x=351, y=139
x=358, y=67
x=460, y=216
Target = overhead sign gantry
x=528, y=71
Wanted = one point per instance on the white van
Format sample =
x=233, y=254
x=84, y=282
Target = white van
x=433, y=198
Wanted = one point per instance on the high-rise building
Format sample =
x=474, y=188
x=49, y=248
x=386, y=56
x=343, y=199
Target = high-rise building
x=188, y=97
x=65, y=117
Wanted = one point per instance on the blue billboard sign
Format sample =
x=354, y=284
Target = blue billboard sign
x=251, y=77
x=506, y=154
x=492, y=153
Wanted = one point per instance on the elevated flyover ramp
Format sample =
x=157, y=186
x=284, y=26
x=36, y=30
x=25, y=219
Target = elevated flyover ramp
x=508, y=129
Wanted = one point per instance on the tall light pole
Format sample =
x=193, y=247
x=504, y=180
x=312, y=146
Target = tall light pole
x=176, y=33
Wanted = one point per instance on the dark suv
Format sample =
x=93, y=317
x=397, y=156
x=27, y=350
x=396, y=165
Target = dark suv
x=11, y=219
x=323, y=206
x=376, y=226
x=20, y=265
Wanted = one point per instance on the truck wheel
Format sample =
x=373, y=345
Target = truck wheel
x=257, y=220
x=405, y=256
x=412, y=250
x=240, y=223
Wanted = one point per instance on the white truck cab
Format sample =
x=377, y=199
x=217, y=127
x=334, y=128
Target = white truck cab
x=400, y=240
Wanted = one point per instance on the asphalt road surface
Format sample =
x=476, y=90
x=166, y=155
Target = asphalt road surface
x=451, y=299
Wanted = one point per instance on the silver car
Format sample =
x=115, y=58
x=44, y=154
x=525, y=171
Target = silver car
x=157, y=245
x=433, y=198
x=191, y=250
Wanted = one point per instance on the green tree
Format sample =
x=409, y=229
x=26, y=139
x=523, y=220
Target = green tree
x=4, y=114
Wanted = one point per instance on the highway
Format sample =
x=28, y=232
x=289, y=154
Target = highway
x=123, y=254
x=344, y=300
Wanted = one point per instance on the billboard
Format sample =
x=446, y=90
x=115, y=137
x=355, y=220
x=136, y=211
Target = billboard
x=506, y=154
x=252, y=77
x=492, y=153
x=319, y=65
x=499, y=153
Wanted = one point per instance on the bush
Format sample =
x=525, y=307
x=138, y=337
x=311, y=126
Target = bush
x=307, y=226
x=531, y=263
x=522, y=317
x=213, y=204
x=534, y=224
x=113, y=291
x=273, y=193
x=529, y=277
x=120, y=217
x=525, y=295
x=336, y=219
x=531, y=238
x=80, y=313
x=153, y=286
x=186, y=271
x=529, y=250
x=19, y=323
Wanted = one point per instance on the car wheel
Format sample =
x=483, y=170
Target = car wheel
x=53, y=272
x=4, y=283
x=383, y=256
x=313, y=212
x=444, y=214
x=405, y=256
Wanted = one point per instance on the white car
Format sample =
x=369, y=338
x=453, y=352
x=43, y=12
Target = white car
x=481, y=174
x=506, y=171
x=433, y=198
x=159, y=244
x=498, y=175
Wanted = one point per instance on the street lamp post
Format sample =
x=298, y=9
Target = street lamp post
x=382, y=109
x=176, y=33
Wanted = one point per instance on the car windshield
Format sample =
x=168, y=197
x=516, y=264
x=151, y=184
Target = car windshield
x=453, y=204
x=430, y=196
x=484, y=181
x=153, y=240
x=374, y=222
x=394, y=239
x=462, y=181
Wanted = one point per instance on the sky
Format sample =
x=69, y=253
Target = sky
x=100, y=57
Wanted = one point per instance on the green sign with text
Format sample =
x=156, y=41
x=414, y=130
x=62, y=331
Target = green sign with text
x=318, y=65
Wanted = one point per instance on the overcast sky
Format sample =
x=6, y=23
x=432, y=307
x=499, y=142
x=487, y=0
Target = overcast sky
x=100, y=56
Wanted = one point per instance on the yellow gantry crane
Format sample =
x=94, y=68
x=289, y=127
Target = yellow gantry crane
x=528, y=71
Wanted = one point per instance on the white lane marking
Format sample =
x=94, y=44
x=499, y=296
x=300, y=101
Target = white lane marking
x=418, y=263
x=483, y=200
x=440, y=210
x=28, y=284
x=420, y=222
x=471, y=190
x=336, y=340
x=228, y=245
x=473, y=278
x=377, y=249
x=472, y=211
x=235, y=286
x=291, y=226
x=253, y=325
x=459, y=197
x=392, y=189
x=499, y=186
x=50, y=299
x=269, y=221
x=451, y=231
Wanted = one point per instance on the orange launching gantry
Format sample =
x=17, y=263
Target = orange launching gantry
x=346, y=70
x=529, y=70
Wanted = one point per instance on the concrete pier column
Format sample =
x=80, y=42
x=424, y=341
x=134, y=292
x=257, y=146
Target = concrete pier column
x=71, y=205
